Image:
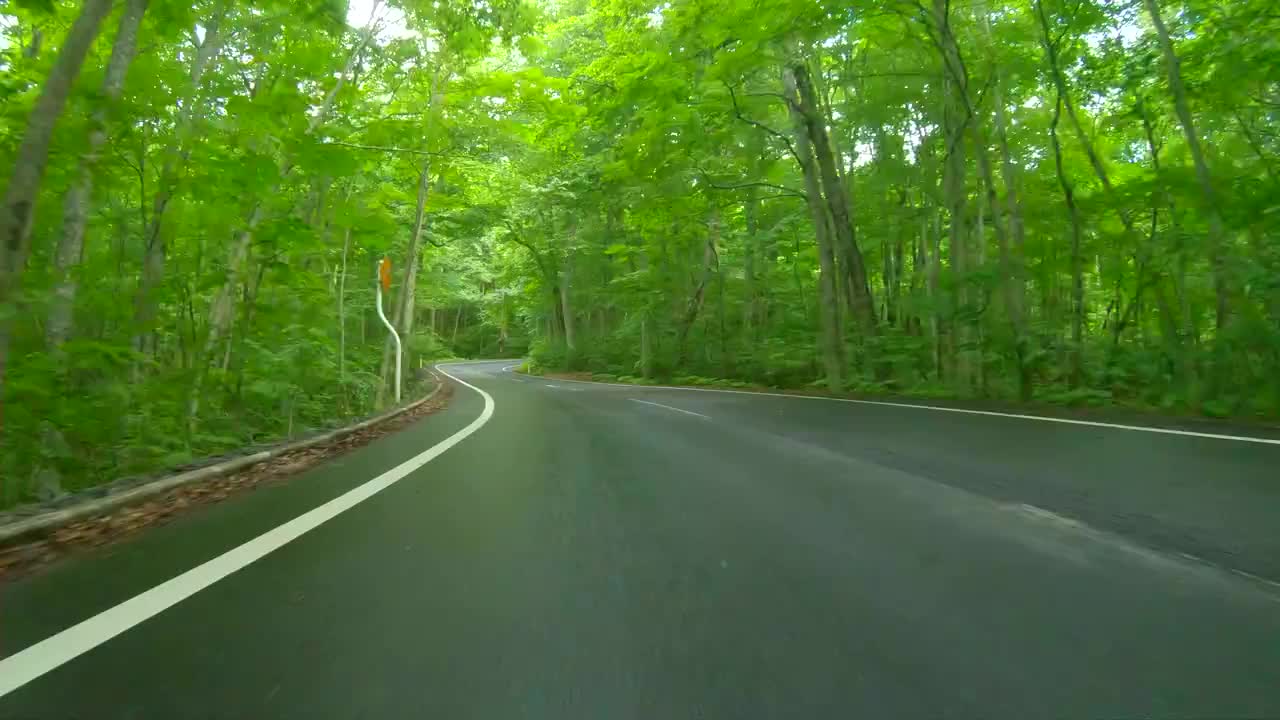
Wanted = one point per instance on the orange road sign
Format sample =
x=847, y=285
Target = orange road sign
x=384, y=273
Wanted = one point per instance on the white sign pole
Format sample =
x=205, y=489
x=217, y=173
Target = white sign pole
x=386, y=322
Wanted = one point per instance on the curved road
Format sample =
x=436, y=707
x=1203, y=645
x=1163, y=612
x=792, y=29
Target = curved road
x=593, y=551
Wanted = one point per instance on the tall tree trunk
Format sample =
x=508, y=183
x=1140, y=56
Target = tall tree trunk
x=646, y=329
x=175, y=154
x=933, y=259
x=710, y=260
x=831, y=338
x=566, y=306
x=1012, y=244
x=342, y=315
x=404, y=309
x=862, y=304
x=1077, y=270
x=222, y=309
x=219, y=314
x=750, y=305
x=956, y=201
x=76, y=205
x=17, y=216
x=1010, y=276
x=566, y=290
x=1175, y=326
x=1217, y=248
x=402, y=315
x=957, y=113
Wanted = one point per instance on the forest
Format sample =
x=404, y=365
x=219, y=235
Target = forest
x=1040, y=201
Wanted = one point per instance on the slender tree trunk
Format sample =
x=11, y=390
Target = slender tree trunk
x=1175, y=326
x=646, y=346
x=1013, y=204
x=1217, y=252
x=17, y=216
x=725, y=370
x=1254, y=144
x=837, y=197
x=1077, y=277
x=177, y=152
x=221, y=310
x=750, y=309
x=76, y=204
x=1064, y=95
x=235, y=340
x=956, y=200
x=710, y=260
x=342, y=315
x=566, y=307
x=1011, y=282
x=402, y=315
x=831, y=338
x=566, y=290
x=646, y=329
x=933, y=255
x=980, y=238
x=1012, y=258
x=404, y=308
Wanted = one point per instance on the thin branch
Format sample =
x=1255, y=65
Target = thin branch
x=514, y=235
x=386, y=148
x=782, y=188
x=778, y=96
x=738, y=114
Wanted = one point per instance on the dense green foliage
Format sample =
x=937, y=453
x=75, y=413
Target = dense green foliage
x=245, y=176
x=1063, y=200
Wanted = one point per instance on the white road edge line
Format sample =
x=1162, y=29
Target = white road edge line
x=1134, y=547
x=27, y=665
x=991, y=413
x=668, y=407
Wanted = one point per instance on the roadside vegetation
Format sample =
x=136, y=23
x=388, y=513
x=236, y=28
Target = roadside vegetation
x=1065, y=202
x=1041, y=200
x=195, y=199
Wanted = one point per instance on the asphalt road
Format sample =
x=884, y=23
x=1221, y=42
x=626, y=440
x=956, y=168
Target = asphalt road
x=594, y=551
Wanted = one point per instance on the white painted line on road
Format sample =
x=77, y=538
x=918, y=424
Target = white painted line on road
x=27, y=665
x=1134, y=547
x=686, y=412
x=913, y=406
x=1049, y=515
x=550, y=385
x=1256, y=578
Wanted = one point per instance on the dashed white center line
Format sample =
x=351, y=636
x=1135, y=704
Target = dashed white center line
x=668, y=407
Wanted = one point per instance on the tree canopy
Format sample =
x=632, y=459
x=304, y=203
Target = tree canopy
x=1055, y=200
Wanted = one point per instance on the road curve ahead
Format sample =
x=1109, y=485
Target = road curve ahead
x=591, y=551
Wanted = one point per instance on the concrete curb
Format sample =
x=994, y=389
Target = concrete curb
x=45, y=523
